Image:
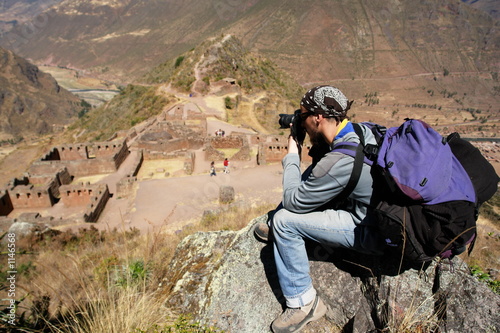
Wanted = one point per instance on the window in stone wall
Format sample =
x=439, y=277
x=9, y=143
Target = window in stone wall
x=90, y=192
x=79, y=193
x=28, y=195
x=39, y=194
x=18, y=195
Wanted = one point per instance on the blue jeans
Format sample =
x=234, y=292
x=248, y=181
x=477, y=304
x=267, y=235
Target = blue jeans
x=330, y=227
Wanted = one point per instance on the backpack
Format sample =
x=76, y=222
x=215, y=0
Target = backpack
x=427, y=189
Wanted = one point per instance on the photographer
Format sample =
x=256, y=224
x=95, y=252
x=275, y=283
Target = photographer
x=309, y=208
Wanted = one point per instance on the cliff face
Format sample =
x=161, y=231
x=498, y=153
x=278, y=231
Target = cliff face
x=228, y=279
x=31, y=102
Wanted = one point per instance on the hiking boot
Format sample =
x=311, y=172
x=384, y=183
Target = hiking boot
x=261, y=231
x=294, y=319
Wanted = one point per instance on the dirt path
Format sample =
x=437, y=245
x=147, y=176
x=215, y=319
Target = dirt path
x=173, y=202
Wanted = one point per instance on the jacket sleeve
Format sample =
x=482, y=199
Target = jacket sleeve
x=326, y=180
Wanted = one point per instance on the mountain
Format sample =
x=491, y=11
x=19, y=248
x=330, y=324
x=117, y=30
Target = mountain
x=31, y=102
x=434, y=59
x=254, y=90
x=315, y=41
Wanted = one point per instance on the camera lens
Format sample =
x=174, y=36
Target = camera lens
x=285, y=120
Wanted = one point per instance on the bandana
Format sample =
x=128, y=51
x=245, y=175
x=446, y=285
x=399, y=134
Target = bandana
x=327, y=100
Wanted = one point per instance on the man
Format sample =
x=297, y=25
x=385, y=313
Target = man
x=309, y=209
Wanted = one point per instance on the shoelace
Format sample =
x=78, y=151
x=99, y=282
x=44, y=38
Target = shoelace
x=289, y=312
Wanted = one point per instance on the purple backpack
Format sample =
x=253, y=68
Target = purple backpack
x=424, y=202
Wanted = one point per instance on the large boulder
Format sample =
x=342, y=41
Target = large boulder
x=228, y=280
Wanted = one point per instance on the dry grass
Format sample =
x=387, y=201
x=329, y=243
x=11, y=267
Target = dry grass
x=104, y=281
x=107, y=281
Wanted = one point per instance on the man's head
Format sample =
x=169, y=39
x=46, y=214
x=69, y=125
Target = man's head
x=322, y=108
x=328, y=101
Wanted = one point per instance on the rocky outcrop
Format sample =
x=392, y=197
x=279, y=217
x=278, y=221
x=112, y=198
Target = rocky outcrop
x=228, y=280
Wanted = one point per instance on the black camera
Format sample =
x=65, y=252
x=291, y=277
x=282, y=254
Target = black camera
x=296, y=130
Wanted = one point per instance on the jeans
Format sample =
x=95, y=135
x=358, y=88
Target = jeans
x=330, y=227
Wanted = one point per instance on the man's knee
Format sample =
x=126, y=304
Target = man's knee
x=280, y=220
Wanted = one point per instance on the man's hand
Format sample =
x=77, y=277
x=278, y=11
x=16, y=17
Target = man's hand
x=293, y=147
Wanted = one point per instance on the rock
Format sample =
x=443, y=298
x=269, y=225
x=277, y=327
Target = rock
x=226, y=194
x=228, y=279
x=32, y=231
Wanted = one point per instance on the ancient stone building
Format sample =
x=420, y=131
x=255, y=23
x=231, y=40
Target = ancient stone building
x=91, y=197
x=274, y=148
x=236, y=141
x=82, y=159
x=41, y=191
x=179, y=128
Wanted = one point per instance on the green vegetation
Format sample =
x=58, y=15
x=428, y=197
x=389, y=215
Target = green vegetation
x=183, y=324
x=86, y=107
x=178, y=61
x=233, y=60
x=371, y=98
x=133, y=105
x=486, y=278
x=228, y=103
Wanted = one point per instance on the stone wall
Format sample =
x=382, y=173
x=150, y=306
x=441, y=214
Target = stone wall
x=170, y=145
x=271, y=152
x=126, y=186
x=91, y=196
x=6, y=206
x=97, y=205
x=69, y=153
x=31, y=196
x=79, y=194
x=82, y=159
x=227, y=142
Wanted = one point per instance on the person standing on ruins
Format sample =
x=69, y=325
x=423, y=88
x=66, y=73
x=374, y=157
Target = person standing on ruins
x=309, y=209
x=226, y=166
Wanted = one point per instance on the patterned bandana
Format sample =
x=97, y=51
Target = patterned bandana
x=327, y=100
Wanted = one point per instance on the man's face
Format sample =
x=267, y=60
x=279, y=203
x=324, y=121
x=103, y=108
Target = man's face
x=310, y=125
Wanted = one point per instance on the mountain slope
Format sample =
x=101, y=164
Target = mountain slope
x=313, y=40
x=434, y=59
x=260, y=90
x=31, y=102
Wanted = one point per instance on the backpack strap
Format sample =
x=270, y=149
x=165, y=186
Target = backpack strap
x=358, y=162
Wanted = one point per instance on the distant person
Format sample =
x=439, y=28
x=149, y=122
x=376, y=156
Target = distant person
x=309, y=209
x=212, y=169
x=226, y=166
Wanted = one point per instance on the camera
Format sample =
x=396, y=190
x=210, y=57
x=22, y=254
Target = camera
x=296, y=129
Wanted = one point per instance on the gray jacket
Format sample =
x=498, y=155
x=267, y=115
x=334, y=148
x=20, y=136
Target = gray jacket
x=327, y=179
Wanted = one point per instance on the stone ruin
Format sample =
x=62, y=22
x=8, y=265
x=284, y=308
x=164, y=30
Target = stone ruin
x=48, y=182
x=175, y=134
x=38, y=191
x=83, y=159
